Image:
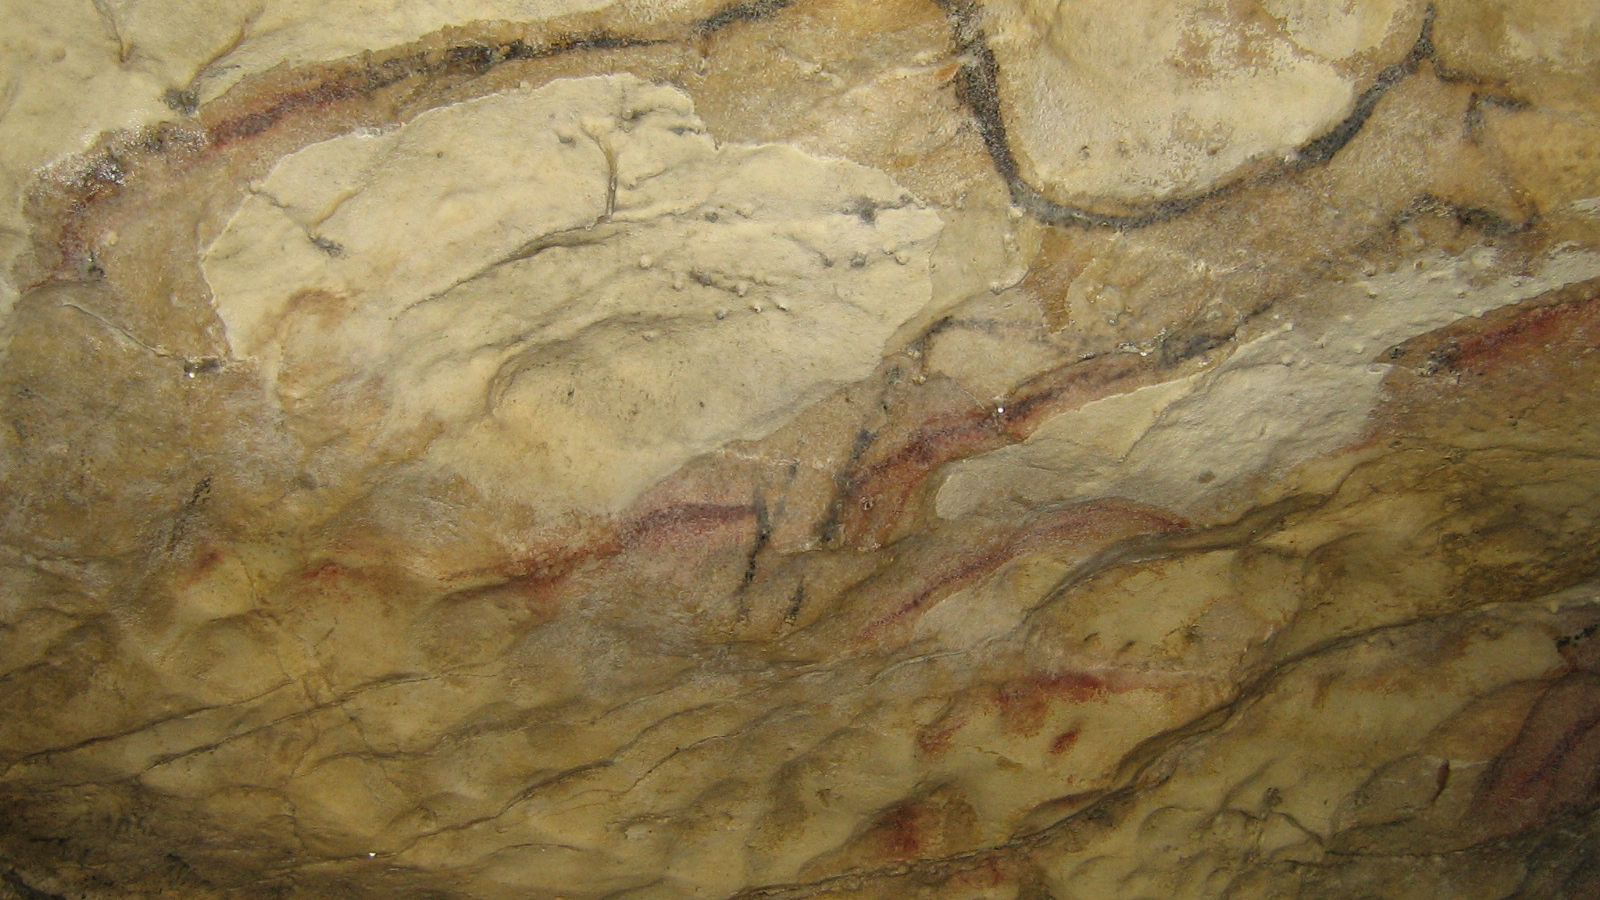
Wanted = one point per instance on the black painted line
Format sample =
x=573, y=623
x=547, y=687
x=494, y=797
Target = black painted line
x=750, y=11
x=977, y=86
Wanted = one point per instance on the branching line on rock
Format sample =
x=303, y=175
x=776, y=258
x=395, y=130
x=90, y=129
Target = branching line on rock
x=596, y=232
x=1150, y=547
x=122, y=332
x=138, y=729
x=1140, y=771
x=520, y=797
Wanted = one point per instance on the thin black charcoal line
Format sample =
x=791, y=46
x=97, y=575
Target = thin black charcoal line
x=599, y=40
x=832, y=527
x=751, y=11
x=1322, y=149
x=763, y=537
x=796, y=603
x=479, y=58
x=977, y=86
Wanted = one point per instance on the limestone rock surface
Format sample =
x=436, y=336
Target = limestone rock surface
x=667, y=449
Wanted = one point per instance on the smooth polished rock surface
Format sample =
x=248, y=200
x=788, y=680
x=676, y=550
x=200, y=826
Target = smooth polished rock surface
x=660, y=449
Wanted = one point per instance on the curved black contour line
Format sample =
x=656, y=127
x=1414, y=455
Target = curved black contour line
x=978, y=87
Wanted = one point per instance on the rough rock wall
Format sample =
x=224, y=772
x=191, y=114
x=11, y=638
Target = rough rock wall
x=800, y=448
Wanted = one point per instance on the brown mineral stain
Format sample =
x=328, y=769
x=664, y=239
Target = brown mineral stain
x=1098, y=521
x=327, y=306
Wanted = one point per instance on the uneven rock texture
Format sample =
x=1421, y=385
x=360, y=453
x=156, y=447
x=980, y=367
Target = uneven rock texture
x=659, y=449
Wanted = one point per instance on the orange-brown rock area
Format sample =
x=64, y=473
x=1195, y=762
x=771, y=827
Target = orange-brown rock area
x=858, y=449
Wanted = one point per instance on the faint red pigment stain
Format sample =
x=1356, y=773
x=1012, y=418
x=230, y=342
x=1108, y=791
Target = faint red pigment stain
x=113, y=171
x=73, y=239
x=269, y=103
x=967, y=571
x=538, y=572
x=1516, y=337
x=933, y=740
x=674, y=524
x=1090, y=524
x=1052, y=393
x=1533, y=331
x=541, y=575
x=328, y=579
x=540, y=598
x=271, y=108
x=1065, y=741
x=1024, y=703
x=323, y=572
x=1515, y=351
x=1553, y=765
x=203, y=563
x=878, y=494
x=1100, y=519
x=902, y=829
x=70, y=242
x=989, y=874
x=208, y=560
x=532, y=579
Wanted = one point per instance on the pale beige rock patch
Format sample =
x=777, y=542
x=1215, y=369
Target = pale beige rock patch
x=571, y=289
x=1299, y=392
x=1147, y=100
